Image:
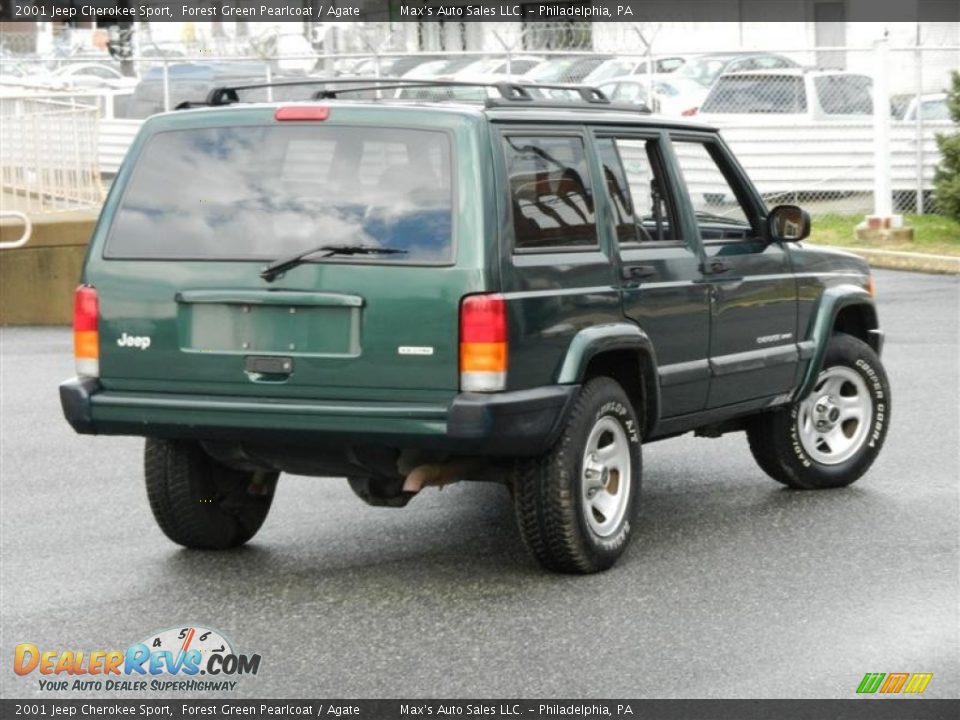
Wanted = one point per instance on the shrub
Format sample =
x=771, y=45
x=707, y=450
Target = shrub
x=946, y=182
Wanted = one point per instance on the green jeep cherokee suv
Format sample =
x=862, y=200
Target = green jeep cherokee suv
x=410, y=292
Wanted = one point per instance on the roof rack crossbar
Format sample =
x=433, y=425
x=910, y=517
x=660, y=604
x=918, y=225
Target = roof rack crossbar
x=511, y=91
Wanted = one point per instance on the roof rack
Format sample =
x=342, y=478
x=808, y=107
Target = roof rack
x=509, y=91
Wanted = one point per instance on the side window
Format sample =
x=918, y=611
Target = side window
x=549, y=181
x=632, y=179
x=719, y=212
x=845, y=94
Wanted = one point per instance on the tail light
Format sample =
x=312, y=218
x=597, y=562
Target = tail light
x=483, y=343
x=86, y=333
x=690, y=112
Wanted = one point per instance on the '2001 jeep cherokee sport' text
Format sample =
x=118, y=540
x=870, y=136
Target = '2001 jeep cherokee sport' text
x=408, y=293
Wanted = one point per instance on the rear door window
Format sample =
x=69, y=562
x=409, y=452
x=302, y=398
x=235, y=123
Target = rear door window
x=262, y=192
x=552, y=202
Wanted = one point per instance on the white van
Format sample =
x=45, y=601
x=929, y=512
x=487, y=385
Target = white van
x=791, y=94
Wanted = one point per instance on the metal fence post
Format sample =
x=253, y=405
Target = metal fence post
x=919, y=129
x=508, y=49
x=166, y=85
x=882, y=188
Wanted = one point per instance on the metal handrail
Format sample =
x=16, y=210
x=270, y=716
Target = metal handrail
x=27, y=230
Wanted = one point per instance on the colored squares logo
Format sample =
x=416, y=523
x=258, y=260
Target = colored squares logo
x=893, y=683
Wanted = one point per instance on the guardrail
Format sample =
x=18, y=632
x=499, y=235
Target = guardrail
x=27, y=229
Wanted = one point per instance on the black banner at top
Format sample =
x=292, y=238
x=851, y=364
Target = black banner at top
x=331, y=11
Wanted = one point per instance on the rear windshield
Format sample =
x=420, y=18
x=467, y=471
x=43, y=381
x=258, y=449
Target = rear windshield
x=263, y=192
x=757, y=94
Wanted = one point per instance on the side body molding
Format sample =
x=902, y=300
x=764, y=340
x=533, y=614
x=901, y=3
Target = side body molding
x=592, y=341
x=832, y=301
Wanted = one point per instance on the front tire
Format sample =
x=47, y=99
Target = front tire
x=200, y=503
x=830, y=438
x=576, y=506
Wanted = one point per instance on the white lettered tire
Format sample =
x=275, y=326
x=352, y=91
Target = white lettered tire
x=830, y=438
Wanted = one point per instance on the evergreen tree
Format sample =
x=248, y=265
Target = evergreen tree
x=946, y=182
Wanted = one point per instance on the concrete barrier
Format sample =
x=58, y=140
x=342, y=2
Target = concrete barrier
x=37, y=281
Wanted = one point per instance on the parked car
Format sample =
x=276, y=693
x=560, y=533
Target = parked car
x=671, y=96
x=565, y=69
x=191, y=82
x=624, y=66
x=630, y=90
x=675, y=95
x=934, y=107
x=790, y=95
x=484, y=90
x=517, y=65
x=705, y=69
x=87, y=75
x=301, y=287
x=444, y=67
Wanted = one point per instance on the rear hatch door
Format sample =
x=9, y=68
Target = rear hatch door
x=207, y=201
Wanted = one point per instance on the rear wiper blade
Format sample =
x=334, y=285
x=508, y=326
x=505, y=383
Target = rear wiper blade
x=271, y=271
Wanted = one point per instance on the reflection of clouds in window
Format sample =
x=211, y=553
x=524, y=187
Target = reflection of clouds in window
x=261, y=192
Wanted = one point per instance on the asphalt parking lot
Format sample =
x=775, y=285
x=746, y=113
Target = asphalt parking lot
x=734, y=586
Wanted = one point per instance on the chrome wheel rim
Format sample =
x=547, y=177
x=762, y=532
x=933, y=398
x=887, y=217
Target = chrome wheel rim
x=605, y=477
x=834, y=420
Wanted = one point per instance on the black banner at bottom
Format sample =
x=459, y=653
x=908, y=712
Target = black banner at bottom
x=859, y=709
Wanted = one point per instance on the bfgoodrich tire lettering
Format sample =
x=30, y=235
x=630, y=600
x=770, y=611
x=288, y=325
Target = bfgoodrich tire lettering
x=576, y=506
x=200, y=503
x=852, y=401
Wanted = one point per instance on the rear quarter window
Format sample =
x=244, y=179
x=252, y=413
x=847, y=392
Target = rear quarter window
x=262, y=192
x=552, y=203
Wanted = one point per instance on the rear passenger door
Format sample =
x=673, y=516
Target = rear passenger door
x=753, y=297
x=556, y=271
x=659, y=276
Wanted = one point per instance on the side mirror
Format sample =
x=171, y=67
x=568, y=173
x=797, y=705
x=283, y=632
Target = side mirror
x=788, y=223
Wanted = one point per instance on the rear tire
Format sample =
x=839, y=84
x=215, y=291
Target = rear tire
x=830, y=438
x=200, y=503
x=576, y=505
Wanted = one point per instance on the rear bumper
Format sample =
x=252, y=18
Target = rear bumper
x=523, y=422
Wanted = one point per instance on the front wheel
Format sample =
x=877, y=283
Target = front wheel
x=830, y=438
x=200, y=503
x=576, y=506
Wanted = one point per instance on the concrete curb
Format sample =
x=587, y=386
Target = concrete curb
x=897, y=260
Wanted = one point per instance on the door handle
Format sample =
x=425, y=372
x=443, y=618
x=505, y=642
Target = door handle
x=638, y=272
x=715, y=267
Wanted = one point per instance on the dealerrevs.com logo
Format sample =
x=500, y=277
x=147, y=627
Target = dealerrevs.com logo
x=188, y=659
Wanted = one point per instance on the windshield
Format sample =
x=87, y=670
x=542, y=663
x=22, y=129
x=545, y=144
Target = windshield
x=263, y=192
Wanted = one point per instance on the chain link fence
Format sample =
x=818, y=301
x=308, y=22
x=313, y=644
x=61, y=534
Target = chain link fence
x=803, y=121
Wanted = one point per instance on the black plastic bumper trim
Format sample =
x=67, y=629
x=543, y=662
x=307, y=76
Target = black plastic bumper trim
x=522, y=421
x=75, y=400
